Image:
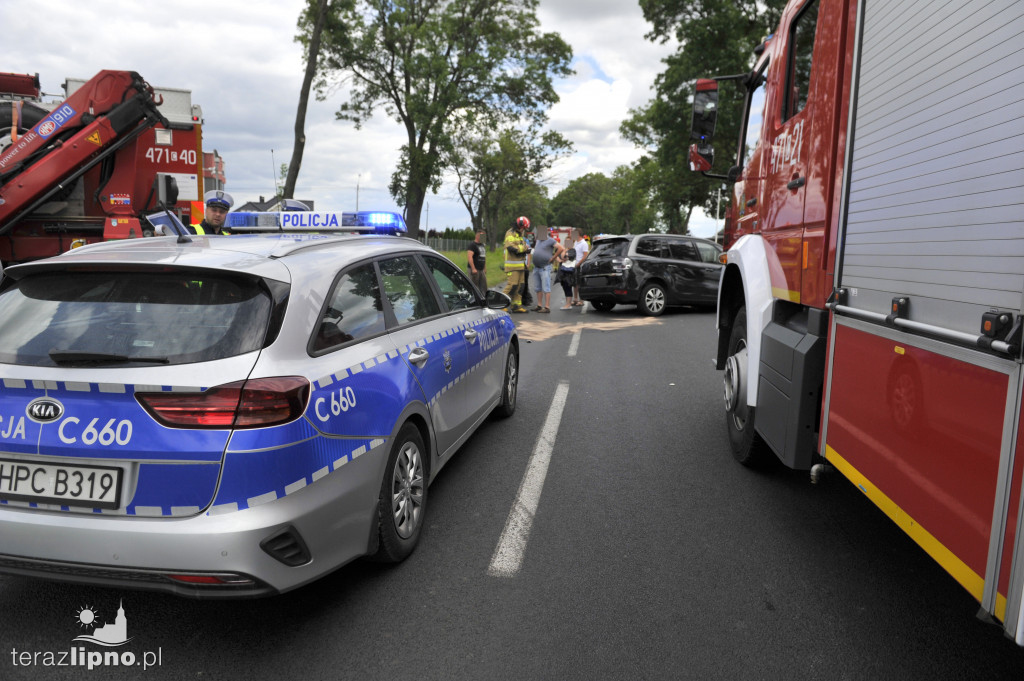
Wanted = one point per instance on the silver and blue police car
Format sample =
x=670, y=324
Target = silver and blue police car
x=237, y=415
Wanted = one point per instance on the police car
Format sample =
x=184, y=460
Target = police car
x=237, y=415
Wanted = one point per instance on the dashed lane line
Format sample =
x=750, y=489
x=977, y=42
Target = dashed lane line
x=508, y=556
x=574, y=344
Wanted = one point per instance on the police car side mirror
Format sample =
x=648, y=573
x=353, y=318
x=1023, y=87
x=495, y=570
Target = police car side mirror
x=497, y=300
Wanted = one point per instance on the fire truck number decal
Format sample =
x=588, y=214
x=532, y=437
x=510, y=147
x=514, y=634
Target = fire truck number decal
x=161, y=155
x=788, y=147
x=109, y=434
x=342, y=400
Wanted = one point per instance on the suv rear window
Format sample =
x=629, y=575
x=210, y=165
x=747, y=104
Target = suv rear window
x=117, y=318
x=613, y=248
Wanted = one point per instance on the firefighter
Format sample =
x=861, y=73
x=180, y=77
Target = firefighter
x=218, y=203
x=516, y=251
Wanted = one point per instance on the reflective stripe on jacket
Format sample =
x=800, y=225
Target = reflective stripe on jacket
x=515, y=251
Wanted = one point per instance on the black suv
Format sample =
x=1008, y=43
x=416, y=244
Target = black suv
x=652, y=271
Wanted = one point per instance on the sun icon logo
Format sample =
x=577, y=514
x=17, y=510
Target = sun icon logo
x=87, y=617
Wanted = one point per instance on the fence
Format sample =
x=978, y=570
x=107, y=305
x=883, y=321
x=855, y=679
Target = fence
x=439, y=244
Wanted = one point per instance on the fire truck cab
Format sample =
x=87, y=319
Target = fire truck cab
x=870, y=311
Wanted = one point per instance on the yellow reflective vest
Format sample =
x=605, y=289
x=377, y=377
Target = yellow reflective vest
x=515, y=251
x=199, y=229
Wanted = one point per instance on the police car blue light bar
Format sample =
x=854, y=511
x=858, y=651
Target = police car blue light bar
x=363, y=222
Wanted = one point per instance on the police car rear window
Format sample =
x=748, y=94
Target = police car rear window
x=116, y=318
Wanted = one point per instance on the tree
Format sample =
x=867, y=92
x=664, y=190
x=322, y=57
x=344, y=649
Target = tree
x=716, y=37
x=492, y=170
x=586, y=203
x=435, y=64
x=311, y=26
x=606, y=205
x=280, y=190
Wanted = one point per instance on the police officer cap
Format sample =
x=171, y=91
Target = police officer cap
x=218, y=197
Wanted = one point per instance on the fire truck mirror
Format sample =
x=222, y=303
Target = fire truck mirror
x=705, y=112
x=702, y=156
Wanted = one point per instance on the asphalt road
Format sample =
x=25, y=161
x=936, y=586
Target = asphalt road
x=651, y=555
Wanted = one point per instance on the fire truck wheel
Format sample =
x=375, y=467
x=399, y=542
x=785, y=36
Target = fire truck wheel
x=747, y=446
x=652, y=300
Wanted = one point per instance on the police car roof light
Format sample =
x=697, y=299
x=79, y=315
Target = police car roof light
x=376, y=222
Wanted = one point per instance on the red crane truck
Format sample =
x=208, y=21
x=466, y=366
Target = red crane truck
x=85, y=169
x=870, y=310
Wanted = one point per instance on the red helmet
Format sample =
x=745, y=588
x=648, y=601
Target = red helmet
x=522, y=223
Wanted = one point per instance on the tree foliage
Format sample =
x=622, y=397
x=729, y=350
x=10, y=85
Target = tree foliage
x=435, y=64
x=494, y=172
x=599, y=204
x=716, y=38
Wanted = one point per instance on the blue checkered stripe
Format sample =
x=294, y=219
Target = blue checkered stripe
x=313, y=458
x=184, y=483
x=259, y=465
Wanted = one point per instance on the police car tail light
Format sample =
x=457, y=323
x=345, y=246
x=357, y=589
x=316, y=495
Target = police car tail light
x=269, y=401
x=243, y=404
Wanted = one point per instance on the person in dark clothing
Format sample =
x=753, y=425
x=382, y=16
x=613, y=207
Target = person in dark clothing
x=476, y=258
x=218, y=203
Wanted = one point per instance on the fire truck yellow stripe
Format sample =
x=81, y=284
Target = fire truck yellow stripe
x=968, y=578
x=786, y=294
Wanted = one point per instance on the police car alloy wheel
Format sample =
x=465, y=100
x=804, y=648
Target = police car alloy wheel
x=403, y=496
x=510, y=389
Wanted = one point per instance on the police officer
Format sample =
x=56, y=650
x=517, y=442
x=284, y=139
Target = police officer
x=218, y=203
x=516, y=251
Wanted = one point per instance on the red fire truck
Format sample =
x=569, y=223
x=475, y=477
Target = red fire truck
x=870, y=310
x=85, y=169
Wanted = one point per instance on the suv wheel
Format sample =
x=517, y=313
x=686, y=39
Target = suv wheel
x=652, y=300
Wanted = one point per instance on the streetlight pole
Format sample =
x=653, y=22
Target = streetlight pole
x=358, y=177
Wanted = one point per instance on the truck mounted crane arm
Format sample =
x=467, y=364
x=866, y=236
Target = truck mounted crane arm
x=99, y=118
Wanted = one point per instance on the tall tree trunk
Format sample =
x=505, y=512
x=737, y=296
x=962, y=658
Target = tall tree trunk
x=300, y=114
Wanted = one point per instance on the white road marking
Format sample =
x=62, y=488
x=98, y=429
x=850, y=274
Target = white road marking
x=574, y=344
x=508, y=556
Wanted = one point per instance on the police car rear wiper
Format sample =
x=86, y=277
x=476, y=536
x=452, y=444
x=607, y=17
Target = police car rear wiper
x=68, y=357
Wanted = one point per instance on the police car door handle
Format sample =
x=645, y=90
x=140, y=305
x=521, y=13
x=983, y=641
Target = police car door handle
x=419, y=356
x=470, y=335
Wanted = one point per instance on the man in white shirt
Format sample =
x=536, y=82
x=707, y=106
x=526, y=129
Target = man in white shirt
x=582, y=250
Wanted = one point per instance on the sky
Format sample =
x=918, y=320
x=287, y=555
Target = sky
x=243, y=67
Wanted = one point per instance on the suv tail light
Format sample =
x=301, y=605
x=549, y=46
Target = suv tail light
x=255, y=403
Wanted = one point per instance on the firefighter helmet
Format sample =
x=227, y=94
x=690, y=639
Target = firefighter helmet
x=522, y=223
